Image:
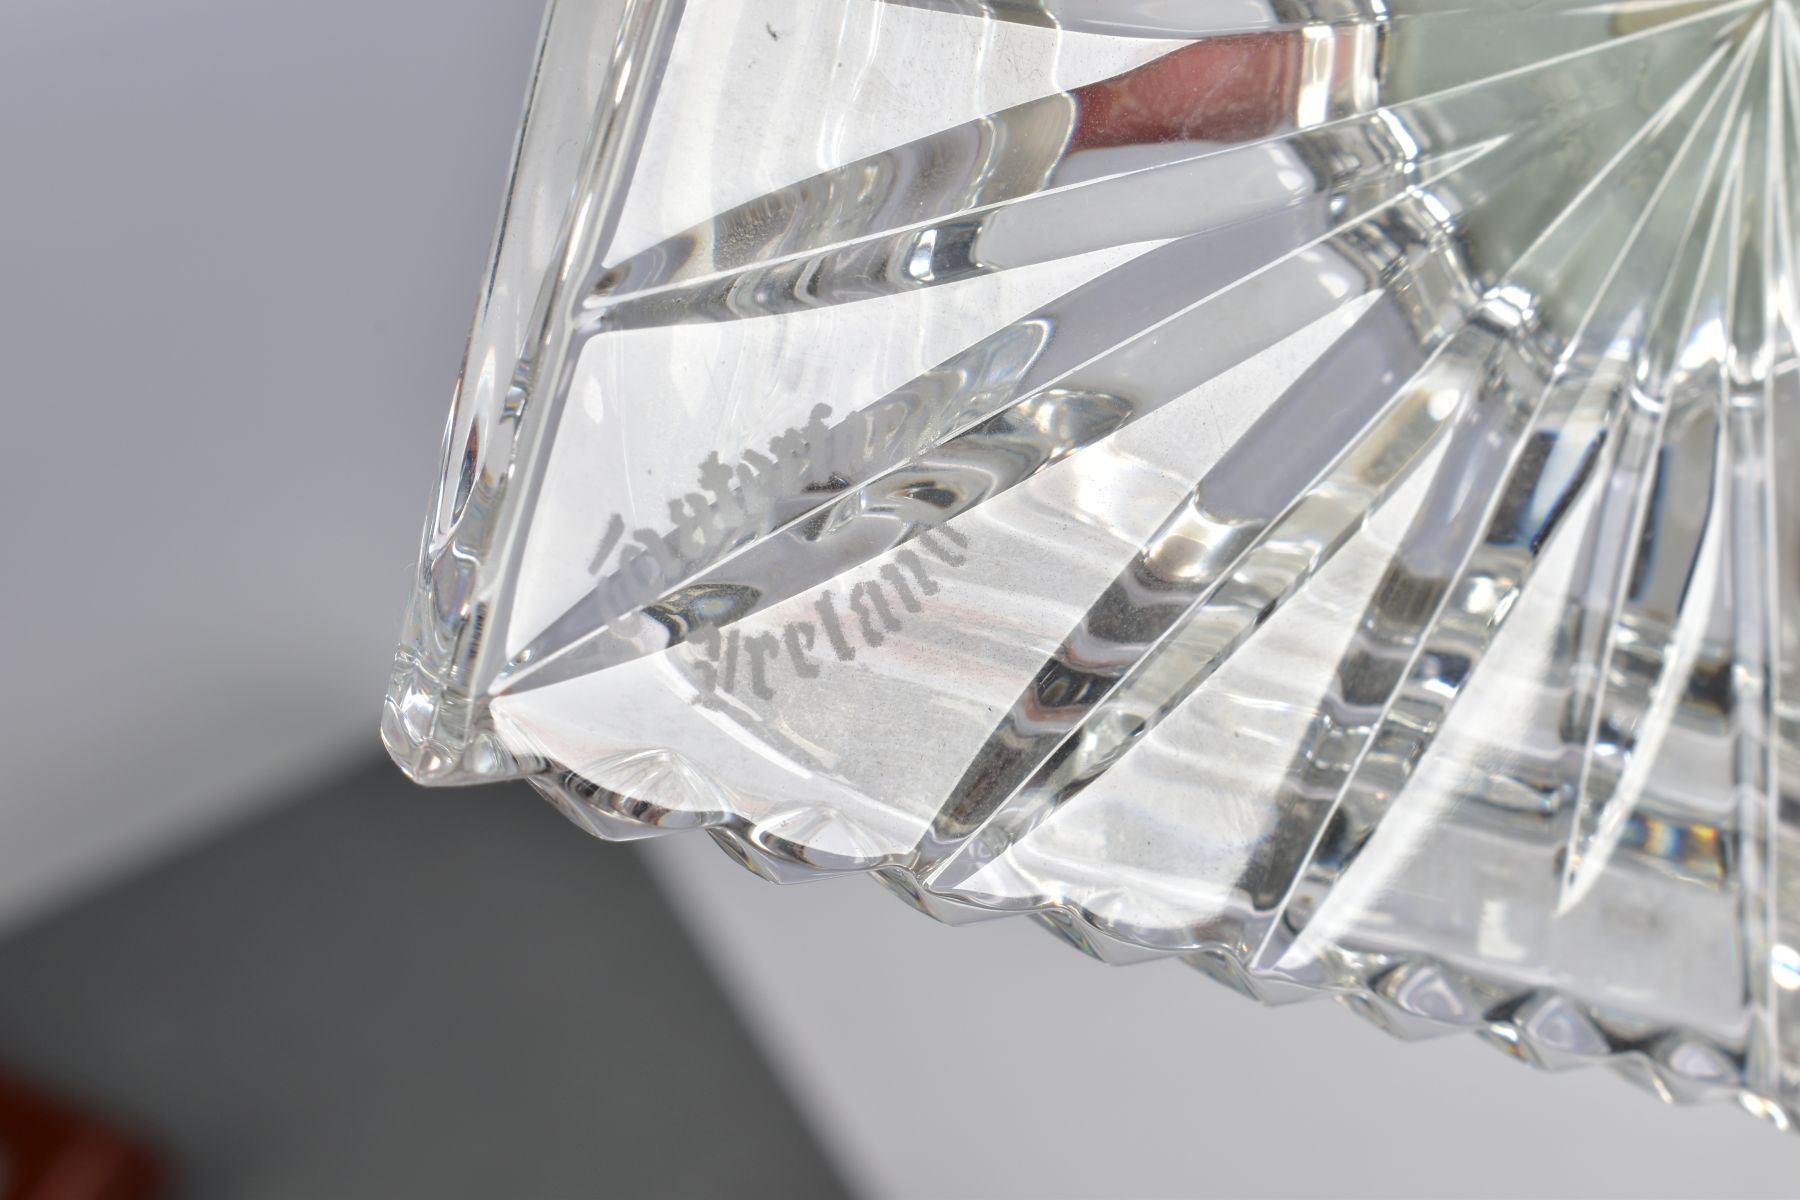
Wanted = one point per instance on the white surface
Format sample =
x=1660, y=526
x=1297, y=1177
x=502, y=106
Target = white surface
x=242, y=241
x=989, y=1061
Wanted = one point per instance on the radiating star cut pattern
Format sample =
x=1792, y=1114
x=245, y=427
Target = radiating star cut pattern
x=1303, y=487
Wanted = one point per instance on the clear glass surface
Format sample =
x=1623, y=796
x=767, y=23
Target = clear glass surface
x=1300, y=485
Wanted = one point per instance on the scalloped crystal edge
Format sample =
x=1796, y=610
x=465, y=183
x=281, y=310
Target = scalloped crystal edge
x=1409, y=997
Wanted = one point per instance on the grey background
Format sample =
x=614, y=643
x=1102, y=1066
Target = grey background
x=381, y=992
x=241, y=243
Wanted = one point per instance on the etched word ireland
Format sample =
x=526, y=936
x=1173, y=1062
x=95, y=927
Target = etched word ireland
x=867, y=615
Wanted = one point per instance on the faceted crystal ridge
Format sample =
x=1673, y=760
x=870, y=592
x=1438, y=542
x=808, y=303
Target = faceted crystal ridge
x=1292, y=485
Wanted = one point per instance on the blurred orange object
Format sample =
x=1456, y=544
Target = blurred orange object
x=50, y=1150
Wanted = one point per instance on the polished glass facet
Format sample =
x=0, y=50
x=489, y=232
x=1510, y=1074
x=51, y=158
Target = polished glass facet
x=1304, y=485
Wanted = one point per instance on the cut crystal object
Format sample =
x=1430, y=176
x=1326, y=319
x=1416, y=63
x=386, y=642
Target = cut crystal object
x=1306, y=486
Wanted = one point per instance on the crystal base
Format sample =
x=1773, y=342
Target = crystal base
x=1294, y=485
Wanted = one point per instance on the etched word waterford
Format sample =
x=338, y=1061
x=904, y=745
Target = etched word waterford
x=734, y=505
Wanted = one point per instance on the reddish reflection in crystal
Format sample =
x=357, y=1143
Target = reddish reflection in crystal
x=1225, y=90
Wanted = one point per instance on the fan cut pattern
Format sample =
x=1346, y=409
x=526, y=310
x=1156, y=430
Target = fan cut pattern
x=1301, y=486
